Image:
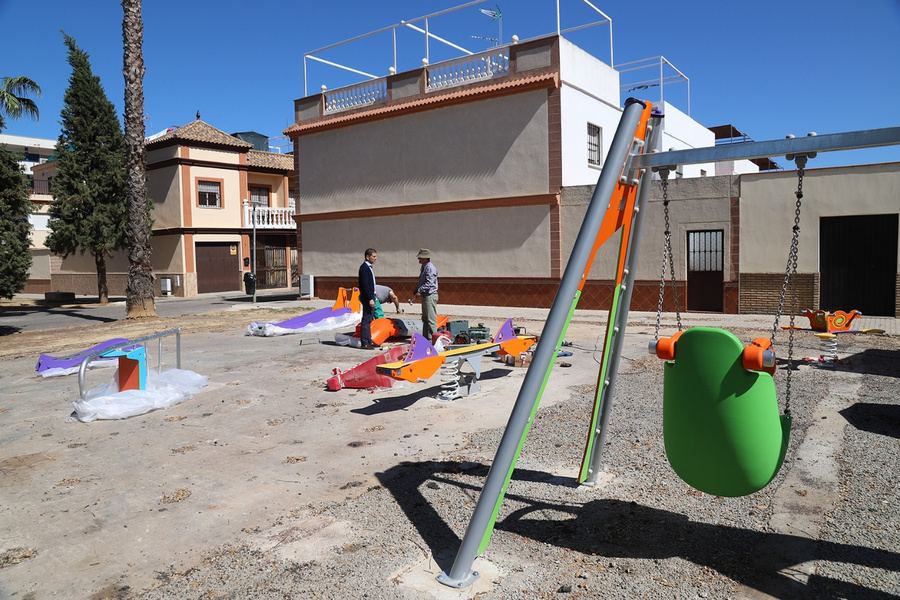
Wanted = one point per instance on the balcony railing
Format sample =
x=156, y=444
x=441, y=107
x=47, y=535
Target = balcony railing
x=356, y=96
x=475, y=67
x=40, y=186
x=270, y=217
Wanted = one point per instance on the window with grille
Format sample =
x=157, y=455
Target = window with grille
x=209, y=194
x=595, y=145
x=259, y=195
x=706, y=250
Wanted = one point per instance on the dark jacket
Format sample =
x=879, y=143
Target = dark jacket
x=366, y=283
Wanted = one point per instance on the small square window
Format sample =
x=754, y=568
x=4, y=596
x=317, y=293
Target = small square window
x=209, y=194
x=595, y=145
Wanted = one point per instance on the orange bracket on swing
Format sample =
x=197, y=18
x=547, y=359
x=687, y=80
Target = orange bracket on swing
x=758, y=357
x=755, y=357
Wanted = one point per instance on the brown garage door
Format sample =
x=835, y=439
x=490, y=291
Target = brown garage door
x=218, y=268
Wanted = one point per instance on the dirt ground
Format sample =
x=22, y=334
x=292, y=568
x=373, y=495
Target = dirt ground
x=58, y=341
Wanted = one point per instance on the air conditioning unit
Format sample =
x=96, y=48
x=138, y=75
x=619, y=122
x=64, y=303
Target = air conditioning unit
x=306, y=286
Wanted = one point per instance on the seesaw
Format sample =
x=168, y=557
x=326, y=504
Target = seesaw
x=831, y=323
x=423, y=360
x=346, y=311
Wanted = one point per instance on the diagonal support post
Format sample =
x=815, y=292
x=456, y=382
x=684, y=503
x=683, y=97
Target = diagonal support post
x=481, y=525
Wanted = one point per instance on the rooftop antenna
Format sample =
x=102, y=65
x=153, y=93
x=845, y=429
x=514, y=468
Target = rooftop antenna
x=495, y=15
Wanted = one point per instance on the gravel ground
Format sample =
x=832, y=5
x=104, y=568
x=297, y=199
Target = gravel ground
x=642, y=534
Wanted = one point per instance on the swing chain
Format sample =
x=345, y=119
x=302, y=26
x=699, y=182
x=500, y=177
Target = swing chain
x=790, y=275
x=667, y=252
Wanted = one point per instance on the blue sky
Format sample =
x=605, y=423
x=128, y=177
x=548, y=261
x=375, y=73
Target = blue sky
x=770, y=68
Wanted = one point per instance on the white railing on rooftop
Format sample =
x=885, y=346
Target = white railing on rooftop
x=356, y=96
x=468, y=69
x=270, y=217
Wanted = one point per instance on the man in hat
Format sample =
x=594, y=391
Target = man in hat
x=427, y=291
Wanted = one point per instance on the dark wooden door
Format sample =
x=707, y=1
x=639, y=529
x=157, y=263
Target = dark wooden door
x=705, y=272
x=218, y=267
x=858, y=264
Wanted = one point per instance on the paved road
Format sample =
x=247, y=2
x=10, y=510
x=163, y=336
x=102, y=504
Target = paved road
x=37, y=317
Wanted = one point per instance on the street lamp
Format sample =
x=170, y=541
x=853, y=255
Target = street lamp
x=253, y=205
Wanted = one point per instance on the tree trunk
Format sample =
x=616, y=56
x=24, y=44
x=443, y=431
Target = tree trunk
x=102, y=286
x=140, y=289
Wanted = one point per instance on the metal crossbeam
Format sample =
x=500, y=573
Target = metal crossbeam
x=854, y=140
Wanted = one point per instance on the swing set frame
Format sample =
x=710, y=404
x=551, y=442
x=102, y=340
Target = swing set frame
x=619, y=202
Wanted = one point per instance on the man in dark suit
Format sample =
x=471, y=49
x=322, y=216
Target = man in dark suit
x=367, y=298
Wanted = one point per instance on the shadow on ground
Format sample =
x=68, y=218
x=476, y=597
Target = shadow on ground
x=618, y=529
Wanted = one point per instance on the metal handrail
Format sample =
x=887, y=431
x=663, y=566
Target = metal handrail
x=99, y=353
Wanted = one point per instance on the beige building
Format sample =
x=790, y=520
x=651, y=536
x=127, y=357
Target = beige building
x=490, y=161
x=208, y=189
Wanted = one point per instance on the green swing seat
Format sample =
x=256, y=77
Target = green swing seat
x=723, y=432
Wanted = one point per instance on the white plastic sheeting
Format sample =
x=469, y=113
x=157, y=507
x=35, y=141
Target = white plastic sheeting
x=350, y=319
x=163, y=390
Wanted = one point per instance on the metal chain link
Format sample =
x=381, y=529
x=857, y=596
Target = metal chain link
x=790, y=275
x=667, y=252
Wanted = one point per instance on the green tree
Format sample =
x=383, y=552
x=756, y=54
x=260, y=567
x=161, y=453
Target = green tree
x=139, y=290
x=88, y=212
x=15, y=206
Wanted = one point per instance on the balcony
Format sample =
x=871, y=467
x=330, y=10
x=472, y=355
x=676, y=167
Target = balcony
x=440, y=76
x=468, y=69
x=270, y=217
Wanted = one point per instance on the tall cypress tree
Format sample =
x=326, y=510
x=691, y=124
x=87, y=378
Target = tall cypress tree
x=15, y=230
x=89, y=209
x=15, y=206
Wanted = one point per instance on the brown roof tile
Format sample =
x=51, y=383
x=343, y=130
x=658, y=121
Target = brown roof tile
x=272, y=160
x=198, y=131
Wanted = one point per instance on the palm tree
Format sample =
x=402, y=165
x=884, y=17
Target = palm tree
x=139, y=289
x=14, y=100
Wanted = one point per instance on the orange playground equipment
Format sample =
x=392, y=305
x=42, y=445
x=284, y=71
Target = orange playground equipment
x=423, y=361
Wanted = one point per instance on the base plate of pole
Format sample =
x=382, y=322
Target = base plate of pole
x=471, y=578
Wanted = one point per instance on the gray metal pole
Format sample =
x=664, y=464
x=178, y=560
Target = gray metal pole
x=461, y=573
x=812, y=143
x=631, y=258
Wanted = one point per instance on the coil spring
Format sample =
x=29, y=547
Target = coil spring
x=829, y=349
x=450, y=380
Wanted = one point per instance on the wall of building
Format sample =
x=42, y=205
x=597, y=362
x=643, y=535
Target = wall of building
x=486, y=149
x=768, y=204
x=680, y=132
x=494, y=242
x=231, y=197
x=164, y=189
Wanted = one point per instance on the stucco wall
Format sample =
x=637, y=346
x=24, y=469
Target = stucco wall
x=579, y=109
x=492, y=148
x=495, y=242
x=768, y=203
x=165, y=191
x=231, y=198
x=695, y=205
x=228, y=157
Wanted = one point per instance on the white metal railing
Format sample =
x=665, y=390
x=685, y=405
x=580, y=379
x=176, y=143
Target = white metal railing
x=269, y=217
x=468, y=69
x=356, y=96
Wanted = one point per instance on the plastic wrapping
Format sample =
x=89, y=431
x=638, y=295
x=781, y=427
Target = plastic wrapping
x=342, y=318
x=163, y=390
